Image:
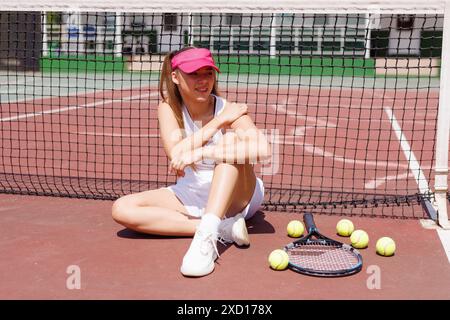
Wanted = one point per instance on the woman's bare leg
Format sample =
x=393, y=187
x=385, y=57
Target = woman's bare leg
x=156, y=212
x=231, y=189
x=160, y=212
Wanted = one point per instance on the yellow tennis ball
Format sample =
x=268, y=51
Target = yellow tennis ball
x=385, y=246
x=359, y=239
x=345, y=227
x=295, y=228
x=278, y=259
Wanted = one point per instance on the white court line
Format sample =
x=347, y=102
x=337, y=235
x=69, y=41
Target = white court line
x=372, y=184
x=87, y=105
x=318, y=151
x=414, y=165
x=313, y=149
x=317, y=120
x=375, y=183
x=385, y=97
x=123, y=135
x=444, y=236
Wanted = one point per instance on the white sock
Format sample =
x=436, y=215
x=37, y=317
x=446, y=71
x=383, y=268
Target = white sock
x=210, y=222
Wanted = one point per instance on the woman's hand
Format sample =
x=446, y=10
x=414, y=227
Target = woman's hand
x=182, y=160
x=178, y=173
x=232, y=111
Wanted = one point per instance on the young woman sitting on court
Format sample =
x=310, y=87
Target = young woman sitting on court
x=212, y=146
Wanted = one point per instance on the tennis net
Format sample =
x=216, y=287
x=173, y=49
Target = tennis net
x=348, y=95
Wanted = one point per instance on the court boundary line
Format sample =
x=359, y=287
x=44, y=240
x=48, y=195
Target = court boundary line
x=444, y=235
x=414, y=165
x=70, y=108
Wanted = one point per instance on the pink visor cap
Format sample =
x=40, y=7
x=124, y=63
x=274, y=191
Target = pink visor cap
x=193, y=59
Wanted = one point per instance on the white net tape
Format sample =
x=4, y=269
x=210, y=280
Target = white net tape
x=242, y=6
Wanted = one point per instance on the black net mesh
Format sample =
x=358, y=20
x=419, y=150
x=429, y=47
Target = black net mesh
x=348, y=102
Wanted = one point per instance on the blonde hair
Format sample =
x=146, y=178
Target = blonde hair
x=169, y=90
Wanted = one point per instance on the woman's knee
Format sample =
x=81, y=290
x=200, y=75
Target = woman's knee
x=241, y=171
x=121, y=212
x=228, y=166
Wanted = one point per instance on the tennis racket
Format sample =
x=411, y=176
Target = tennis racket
x=317, y=255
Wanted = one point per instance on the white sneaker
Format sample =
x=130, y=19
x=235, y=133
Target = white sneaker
x=234, y=230
x=199, y=259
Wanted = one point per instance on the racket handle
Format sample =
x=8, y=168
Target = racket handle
x=309, y=222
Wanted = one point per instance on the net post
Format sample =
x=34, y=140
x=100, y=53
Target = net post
x=443, y=126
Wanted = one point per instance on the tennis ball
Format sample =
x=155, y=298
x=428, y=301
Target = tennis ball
x=278, y=259
x=385, y=246
x=345, y=227
x=295, y=228
x=359, y=239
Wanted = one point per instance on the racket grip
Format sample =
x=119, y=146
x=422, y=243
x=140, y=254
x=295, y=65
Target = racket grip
x=309, y=222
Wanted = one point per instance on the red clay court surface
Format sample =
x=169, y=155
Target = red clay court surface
x=41, y=238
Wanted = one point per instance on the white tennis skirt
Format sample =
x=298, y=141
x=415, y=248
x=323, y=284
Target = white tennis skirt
x=193, y=194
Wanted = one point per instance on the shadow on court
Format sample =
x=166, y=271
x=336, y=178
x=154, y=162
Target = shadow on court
x=256, y=225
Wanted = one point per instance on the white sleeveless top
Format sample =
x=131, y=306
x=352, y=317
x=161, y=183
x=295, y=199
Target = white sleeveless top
x=204, y=168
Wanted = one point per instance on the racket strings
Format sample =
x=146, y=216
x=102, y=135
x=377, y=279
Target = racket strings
x=322, y=257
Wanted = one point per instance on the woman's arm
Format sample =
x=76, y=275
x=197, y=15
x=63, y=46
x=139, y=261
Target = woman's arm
x=169, y=129
x=170, y=132
x=247, y=145
x=231, y=112
x=197, y=139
